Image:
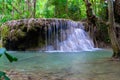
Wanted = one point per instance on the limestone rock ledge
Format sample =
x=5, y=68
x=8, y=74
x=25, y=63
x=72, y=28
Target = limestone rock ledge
x=25, y=34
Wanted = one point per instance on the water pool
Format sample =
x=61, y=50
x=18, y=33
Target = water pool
x=84, y=65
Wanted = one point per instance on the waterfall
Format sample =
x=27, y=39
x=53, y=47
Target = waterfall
x=68, y=36
x=46, y=35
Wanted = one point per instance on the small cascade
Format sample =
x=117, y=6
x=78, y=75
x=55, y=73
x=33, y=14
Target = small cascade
x=68, y=36
x=46, y=35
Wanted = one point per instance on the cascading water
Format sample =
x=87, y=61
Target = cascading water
x=46, y=35
x=68, y=36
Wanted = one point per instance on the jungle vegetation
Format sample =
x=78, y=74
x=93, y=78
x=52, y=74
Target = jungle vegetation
x=97, y=13
x=70, y=9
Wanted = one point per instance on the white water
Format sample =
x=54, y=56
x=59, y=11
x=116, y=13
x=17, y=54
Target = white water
x=74, y=38
x=77, y=41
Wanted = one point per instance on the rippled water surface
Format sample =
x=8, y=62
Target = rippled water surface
x=90, y=65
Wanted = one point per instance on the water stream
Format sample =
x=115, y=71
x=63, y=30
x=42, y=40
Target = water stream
x=70, y=36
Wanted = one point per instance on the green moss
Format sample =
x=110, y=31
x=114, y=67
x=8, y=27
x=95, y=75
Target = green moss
x=5, y=31
x=4, y=34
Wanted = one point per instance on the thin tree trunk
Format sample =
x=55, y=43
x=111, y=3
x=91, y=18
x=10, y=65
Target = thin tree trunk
x=29, y=8
x=34, y=8
x=28, y=5
x=111, y=31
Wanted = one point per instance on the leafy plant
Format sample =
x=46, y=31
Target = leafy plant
x=3, y=76
x=3, y=51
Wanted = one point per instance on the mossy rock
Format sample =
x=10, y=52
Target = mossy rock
x=24, y=34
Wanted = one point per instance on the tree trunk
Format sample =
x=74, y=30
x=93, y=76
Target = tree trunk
x=91, y=18
x=111, y=31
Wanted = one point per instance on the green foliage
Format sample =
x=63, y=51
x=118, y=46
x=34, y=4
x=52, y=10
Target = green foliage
x=100, y=8
x=10, y=58
x=77, y=9
x=3, y=76
x=72, y=9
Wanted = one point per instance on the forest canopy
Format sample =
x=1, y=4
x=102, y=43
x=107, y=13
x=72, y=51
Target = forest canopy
x=69, y=9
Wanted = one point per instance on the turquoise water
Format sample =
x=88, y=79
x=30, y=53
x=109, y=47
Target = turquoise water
x=85, y=65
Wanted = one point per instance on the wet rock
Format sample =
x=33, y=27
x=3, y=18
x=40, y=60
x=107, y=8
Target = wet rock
x=32, y=34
